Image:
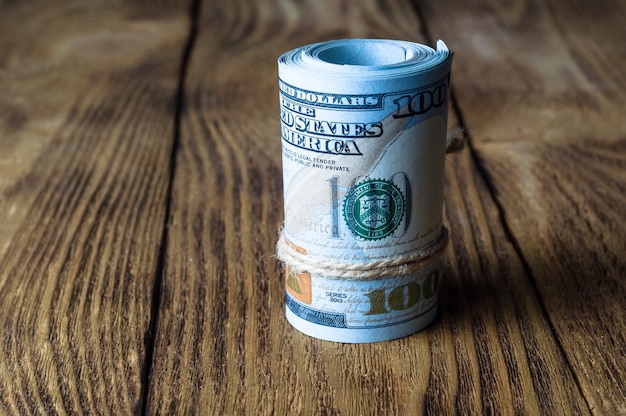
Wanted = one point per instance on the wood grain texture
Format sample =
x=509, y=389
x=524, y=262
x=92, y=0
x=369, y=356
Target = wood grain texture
x=573, y=242
x=223, y=345
x=545, y=70
x=532, y=305
x=554, y=150
x=87, y=96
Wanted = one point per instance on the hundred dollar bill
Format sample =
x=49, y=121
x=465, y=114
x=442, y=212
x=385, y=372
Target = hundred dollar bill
x=363, y=127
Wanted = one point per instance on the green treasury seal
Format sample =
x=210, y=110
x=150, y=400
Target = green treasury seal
x=373, y=209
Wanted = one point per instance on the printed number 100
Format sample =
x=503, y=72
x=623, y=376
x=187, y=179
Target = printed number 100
x=402, y=297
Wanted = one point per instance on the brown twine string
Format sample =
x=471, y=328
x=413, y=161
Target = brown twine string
x=455, y=140
x=394, y=266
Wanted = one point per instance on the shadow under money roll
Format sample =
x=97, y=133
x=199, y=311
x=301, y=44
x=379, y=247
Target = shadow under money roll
x=363, y=127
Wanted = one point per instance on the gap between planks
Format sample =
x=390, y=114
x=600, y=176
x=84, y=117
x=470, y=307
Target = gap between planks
x=159, y=273
x=484, y=176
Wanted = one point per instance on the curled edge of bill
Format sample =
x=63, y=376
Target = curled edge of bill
x=360, y=336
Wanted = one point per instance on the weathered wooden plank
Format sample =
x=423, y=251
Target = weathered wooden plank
x=550, y=71
x=223, y=345
x=87, y=104
x=554, y=149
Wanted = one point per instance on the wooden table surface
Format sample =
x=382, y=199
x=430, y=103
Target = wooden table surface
x=141, y=191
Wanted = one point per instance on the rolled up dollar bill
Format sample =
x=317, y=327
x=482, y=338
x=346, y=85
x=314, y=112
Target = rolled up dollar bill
x=363, y=126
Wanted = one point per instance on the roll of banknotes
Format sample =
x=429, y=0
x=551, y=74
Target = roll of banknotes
x=363, y=127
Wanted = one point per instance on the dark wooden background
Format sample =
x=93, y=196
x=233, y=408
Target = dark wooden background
x=140, y=194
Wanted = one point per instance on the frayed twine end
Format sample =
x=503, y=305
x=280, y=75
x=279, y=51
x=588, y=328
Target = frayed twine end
x=456, y=140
